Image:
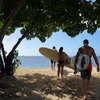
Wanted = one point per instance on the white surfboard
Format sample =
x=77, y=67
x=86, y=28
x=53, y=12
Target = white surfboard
x=83, y=62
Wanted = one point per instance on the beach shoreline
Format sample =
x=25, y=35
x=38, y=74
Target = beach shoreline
x=42, y=84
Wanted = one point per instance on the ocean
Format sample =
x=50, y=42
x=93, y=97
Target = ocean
x=40, y=61
x=34, y=61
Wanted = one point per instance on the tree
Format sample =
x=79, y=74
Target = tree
x=40, y=18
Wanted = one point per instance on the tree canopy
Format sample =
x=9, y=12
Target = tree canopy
x=42, y=17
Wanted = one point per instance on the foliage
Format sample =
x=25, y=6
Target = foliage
x=16, y=62
x=43, y=17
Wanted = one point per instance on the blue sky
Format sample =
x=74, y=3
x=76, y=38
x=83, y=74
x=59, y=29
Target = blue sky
x=58, y=39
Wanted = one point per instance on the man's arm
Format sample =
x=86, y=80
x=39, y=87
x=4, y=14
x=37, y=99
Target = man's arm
x=76, y=60
x=96, y=60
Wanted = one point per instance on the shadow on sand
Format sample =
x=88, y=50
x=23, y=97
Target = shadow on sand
x=37, y=87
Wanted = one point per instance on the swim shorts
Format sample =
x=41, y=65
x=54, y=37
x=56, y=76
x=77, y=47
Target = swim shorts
x=61, y=62
x=52, y=61
x=86, y=74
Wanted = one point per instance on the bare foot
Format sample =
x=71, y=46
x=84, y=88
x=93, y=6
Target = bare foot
x=85, y=98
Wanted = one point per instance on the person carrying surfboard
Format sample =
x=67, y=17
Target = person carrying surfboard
x=86, y=74
x=53, y=63
x=61, y=57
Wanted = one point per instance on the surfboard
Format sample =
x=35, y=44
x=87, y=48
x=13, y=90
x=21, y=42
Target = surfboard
x=49, y=53
x=82, y=64
x=53, y=55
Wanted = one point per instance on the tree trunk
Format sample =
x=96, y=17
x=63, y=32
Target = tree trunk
x=8, y=65
x=9, y=19
x=10, y=57
x=1, y=2
x=2, y=60
x=1, y=64
x=3, y=53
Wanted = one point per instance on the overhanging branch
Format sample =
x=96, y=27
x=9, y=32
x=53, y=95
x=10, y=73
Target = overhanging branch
x=10, y=18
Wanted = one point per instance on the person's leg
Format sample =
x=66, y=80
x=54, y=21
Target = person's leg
x=58, y=70
x=85, y=80
x=62, y=68
x=54, y=65
x=88, y=83
x=85, y=87
x=51, y=65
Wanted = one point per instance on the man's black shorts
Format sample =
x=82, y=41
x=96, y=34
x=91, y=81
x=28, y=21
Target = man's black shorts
x=86, y=74
x=61, y=62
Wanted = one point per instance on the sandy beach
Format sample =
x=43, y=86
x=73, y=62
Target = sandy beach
x=42, y=84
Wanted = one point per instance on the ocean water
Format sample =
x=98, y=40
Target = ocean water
x=40, y=61
x=34, y=61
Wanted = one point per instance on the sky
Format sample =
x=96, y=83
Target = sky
x=58, y=39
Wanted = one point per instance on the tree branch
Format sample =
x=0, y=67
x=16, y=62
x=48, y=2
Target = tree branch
x=18, y=42
x=1, y=2
x=3, y=52
x=10, y=18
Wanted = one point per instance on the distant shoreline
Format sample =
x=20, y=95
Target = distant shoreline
x=41, y=56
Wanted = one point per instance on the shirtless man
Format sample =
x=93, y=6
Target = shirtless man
x=86, y=74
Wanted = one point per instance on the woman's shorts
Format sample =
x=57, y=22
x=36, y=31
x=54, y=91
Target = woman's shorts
x=86, y=74
x=60, y=62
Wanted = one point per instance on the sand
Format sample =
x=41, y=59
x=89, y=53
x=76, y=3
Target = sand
x=42, y=84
